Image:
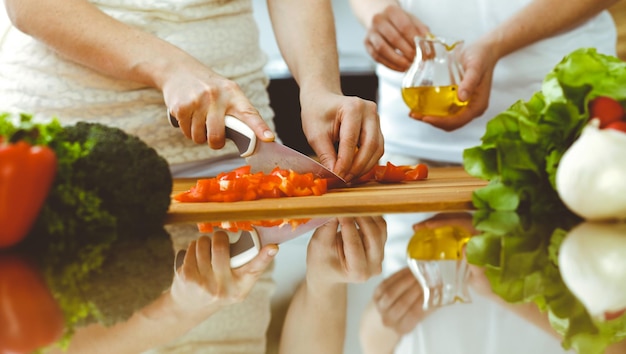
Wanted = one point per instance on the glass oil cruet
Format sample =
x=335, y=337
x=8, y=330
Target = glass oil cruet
x=436, y=258
x=430, y=85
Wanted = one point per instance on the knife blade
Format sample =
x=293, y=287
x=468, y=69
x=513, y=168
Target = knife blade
x=263, y=156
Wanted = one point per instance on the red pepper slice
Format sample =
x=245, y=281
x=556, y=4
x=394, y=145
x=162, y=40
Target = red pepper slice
x=389, y=173
x=26, y=175
x=418, y=172
x=234, y=226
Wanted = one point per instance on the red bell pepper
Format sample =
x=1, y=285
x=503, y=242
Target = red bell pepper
x=30, y=318
x=26, y=175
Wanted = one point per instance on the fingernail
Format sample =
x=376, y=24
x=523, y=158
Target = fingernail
x=272, y=252
x=268, y=134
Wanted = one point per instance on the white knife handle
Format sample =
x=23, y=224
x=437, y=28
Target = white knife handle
x=241, y=134
x=237, y=131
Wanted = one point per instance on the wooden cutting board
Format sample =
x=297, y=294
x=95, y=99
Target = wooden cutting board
x=446, y=189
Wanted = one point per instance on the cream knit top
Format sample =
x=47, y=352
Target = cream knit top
x=222, y=34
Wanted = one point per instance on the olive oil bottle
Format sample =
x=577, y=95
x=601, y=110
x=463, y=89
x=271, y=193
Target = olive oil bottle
x=437, y=101
x=435, y=257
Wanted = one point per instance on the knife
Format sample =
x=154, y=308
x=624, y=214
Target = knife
x=263, y=156
x=245, y=245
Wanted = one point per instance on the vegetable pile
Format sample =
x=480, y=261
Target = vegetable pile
x=241, y=184
x=520, y=253
x=522, y=146
x=108, y=186
x=543, y=158
x=106, y=180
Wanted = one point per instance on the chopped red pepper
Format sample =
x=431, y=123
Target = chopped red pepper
x=240, y=185
x=390, y=173
x=234, y=226
x=26, y=175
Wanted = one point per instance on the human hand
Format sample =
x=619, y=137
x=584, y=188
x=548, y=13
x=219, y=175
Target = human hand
x=199, y=99
x=478, y=62
x=205, y=282
x=390, y=37
x=463, y=220
x=351, y=255
x=398, y=300
x=328, y=117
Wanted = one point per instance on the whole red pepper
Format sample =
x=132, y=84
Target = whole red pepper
x=26, y=174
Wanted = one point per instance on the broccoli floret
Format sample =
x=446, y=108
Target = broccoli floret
x=132, y=180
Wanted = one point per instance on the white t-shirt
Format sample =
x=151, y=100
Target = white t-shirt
x=517, y=76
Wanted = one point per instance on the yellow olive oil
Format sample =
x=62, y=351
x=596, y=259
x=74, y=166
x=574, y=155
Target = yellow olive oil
x=441, y=243
x=437, y=101
x=435, y=257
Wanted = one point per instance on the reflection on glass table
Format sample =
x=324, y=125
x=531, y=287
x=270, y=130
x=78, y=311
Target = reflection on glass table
x=125, y=295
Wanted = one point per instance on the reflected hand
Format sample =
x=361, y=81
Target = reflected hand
x=352, y=255
x=398, y=300
x=463, y=220
x=478, y=62
x=200, y=99
x=390, y=37
x=328, y=117
x=205, y=282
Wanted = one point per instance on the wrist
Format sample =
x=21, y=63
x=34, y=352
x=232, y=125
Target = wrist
x=324, y=289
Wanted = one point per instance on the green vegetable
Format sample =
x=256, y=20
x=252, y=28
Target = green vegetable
x=522, y=146
x=109, y=186
x=520, y=255
x=106, y=178
x=520, y=213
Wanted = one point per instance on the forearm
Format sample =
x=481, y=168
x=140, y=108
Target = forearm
x=153, y=326
x=316, y=320
x=375, y=337
x=539, y=20
x=79, y=31
x=305, y=33
x=364, y=10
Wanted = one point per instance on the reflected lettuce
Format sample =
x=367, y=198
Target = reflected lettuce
x=520, y=255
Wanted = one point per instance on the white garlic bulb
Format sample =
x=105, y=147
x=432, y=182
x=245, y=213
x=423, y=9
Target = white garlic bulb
x=592, y=262
x=591, y=176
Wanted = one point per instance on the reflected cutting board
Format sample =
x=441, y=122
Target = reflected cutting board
x=446, y=189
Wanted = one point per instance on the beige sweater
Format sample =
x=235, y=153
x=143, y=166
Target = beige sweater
x=221, y=33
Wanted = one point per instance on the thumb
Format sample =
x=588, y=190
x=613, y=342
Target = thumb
x=255, y=268
x=471, y=80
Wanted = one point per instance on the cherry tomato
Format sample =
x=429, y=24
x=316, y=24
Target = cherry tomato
x=606, y=109
x=30, y=318
x=620, y=125
x=613, y=315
